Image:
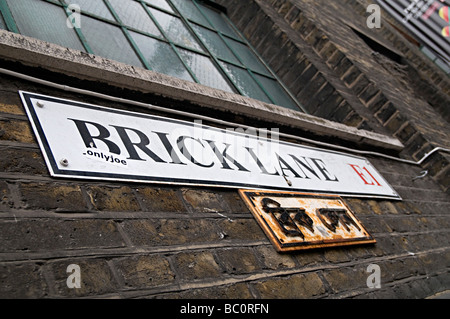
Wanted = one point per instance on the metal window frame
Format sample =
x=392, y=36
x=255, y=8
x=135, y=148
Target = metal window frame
x=170, y=42
x=12, y=26
x=435, y=59
x=222, y=37
x=7, y=17
x=244, y=41
x=80, y=35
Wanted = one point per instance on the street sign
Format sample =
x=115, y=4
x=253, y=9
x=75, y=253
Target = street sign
x=87, y=141
x=295, y=221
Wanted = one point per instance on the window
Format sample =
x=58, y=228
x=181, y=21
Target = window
x=189, y=39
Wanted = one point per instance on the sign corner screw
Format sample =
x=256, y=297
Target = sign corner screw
x=64, y=162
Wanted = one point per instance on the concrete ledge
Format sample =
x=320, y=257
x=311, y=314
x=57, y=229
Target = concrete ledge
x=441, y=295
x=36, y=53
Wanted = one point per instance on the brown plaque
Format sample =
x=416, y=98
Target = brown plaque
x=297, y=221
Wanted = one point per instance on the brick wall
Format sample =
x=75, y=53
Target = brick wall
x=135, y=240
x=315, y=49
x=151, y=241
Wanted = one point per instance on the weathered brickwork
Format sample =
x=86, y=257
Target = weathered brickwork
x=150, y=241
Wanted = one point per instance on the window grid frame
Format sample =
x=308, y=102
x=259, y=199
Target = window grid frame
x=124, y=29
x=80, y=35
x=167, y=39
x=216, y=60
x=222, y=37
x=261, y=60
x=7, y=17
x=211, y=55
x=243, y=40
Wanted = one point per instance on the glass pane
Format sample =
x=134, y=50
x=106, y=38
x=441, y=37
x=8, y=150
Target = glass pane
x=247, y=56
x=161, y=4
x=277, y=92
x=96, y=7
x=243, y=80
x=133, y=14
x=175, y=29
x=108, y=41
x=190, y=11
x=219, y=22
x=161, y=57
x=44, y=21
x=2, y=23
x=215, y=44
x=204, y=70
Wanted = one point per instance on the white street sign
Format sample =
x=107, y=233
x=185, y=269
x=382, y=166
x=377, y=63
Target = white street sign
x=88, y=141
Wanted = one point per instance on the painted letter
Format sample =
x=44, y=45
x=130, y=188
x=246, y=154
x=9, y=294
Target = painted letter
x=183, y=149
x=222, y=156
x=142, y=145
x=88, y=139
